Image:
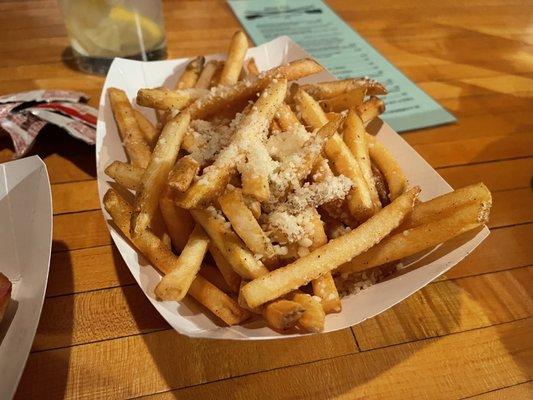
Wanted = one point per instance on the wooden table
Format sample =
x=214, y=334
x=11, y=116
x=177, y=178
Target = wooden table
x=467, y=335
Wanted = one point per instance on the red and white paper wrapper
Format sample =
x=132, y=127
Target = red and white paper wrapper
x=23, y=115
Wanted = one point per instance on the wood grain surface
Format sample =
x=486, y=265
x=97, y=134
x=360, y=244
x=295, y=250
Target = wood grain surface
x=466, y=335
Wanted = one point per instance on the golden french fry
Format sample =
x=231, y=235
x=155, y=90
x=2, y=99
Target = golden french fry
x=422, y=237
x=327, y=90
x=167, y=99
x=125, y=174
x=222, y=98
x=282, y=314
x=235, y=60
x=215, y=177
x=232, y=279
x=354, y=136
x=324, y=287
x=182, y=174
x=286, y=117
x=238, y=256
x=255, y=172
x=388, y=166
x=149, y=244
x=136, y=147
x=440, y=206
x=218, y=302
x=251, y=66
x=243, y=222
x=153, y=180
x=313, y=318
x=147, y=128
x=206, y=76
x=178, y=221
x=370, y=109
x=328, y=257
x=190, y=75
x=344, y=101
x=176, y=283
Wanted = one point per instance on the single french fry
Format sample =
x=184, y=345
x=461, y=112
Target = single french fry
x=215, y=177
x=359, y=200
x=235, y=60
x=176, y=283
x=421, y=237
x=251, y=67
x=206, y=76
x=388, y=166
x=178, y=221
x=167, y=99
x=224, y=98
x=445, y=204
x=254, y=175
x=354, y=136
x=153, y=180
x=313, y=318
x=370, y=109
x=147, y=242
x=147, y=128
x=233, y=279
x=327, y=90
x=286, y=117
x=328, y=257
x=136, y=146
x=238, y=256
x=125, y=174
x=324, y=286
x=218, y=302
x=282, y=314
x=344, y=101
x=243, y=222
x=182, y=174
x=190, y=75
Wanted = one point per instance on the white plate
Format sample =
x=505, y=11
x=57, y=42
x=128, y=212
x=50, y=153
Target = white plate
x=25, y=246
x=187, y=317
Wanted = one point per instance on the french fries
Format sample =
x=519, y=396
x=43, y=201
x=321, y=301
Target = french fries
x=388, y=166
x=147, y=128
x=217, y=176
x=125, y=174
x=256, y=169
x=244, y=223
x=233, y=65
x=167, y=99
x=190, y=76
x=176, y=284
x=283, y=314
x=136, y=146
x=183, y=173
x=456, y=221
x=327, y=90
x=152, y=182
x=328, y=257
x=312, y=319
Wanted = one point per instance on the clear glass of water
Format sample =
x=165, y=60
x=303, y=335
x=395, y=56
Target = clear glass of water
x=100, y=30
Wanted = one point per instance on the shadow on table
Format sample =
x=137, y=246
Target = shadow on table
x=54, y=141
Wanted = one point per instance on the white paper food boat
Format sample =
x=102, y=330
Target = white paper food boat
x=25, y=246
x=187, y=317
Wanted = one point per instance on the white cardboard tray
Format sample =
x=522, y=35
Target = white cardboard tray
x=187, y=317
x=25, y=246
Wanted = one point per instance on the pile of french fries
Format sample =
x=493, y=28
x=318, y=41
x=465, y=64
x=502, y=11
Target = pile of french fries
x=253, y=192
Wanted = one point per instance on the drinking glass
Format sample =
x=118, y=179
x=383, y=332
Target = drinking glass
x=100, y=30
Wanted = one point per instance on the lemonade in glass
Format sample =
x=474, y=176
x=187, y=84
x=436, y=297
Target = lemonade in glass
x=100, y=30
